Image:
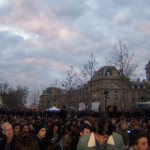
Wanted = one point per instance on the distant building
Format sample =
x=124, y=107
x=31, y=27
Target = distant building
x=106, y=87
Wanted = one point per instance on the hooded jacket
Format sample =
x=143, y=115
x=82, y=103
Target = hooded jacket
x=88, y=142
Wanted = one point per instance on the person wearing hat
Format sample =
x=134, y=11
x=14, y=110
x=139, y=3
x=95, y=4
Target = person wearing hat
x=135, y=126
x=123, y=130
x=40, y=136
x=134, y=129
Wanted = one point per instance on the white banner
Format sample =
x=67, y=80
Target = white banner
x=81, y=106
x=95, y=106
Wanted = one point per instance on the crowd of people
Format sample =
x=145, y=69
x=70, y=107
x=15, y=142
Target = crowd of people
x=80, y=130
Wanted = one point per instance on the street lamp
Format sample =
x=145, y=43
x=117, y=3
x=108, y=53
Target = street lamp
x=105, y=95
x=48, y=103
x=142, y=98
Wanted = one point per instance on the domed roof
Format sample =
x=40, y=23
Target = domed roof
x=107, y=71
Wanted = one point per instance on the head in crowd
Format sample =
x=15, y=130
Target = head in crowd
x=40, y=131
x=48, y=123
x=74, y=138
x=103, y=129
x=135, y=126
x=64, y=107
x=85, y=129
x=31, y=128
x=16, y=128
x=91, y=119
x=7, y=130
x=55, y=127
x=123, y=125
x=25, y=128
x=140, y=141
x=144, y=125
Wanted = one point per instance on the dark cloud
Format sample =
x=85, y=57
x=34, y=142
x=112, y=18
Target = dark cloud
x=39, y=40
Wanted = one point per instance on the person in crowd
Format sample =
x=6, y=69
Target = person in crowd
x=85, y=129
x=16, y=129
x=25, y=128
x=54, y=132
x=48, y=124
x=123, y=130
x=31, y=128
x=113, y=120
x=144, y=126
x=135, y=128
x=26, y=142
x=102, y=138
x=40, y=136
x=90, y=120
x=63, y=114
x=71, y=139
x=139, y=141
x=9, y=142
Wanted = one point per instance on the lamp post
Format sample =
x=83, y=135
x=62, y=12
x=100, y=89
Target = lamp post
x=48, y=103
x=142, y=98
x=105, y=95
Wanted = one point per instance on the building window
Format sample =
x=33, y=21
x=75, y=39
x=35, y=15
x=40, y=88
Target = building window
x=100, y=74
x=141, y=86
x=133, y=100
x=116, y=93
x=135, y=86
x=116, y=100
x=108, y=73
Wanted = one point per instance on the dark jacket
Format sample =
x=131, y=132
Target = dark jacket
x=63, y=114
x=11, y=145
x=125, y=136
x=42, y=143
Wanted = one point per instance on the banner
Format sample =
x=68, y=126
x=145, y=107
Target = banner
x=81, y=106
x=95, y=106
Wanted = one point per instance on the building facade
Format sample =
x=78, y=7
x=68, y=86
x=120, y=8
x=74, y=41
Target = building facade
x=106, y=87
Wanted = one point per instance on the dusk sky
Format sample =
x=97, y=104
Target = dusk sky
x=40, y=39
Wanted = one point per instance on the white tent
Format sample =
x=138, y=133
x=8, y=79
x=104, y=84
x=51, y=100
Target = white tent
x=53, y=109
x=143, y=103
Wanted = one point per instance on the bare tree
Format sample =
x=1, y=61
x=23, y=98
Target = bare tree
x=88, y=69
x=71, y=82
x=87, y=73
x=122, y=60
x=72, y=79
x=35, y=96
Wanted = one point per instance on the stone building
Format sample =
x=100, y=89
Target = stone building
x=107, y=86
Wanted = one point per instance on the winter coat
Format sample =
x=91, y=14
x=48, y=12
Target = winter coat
x=88, y=142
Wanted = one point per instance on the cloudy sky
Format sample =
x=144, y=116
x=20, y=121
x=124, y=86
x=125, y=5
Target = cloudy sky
x=40, y=39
